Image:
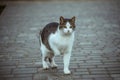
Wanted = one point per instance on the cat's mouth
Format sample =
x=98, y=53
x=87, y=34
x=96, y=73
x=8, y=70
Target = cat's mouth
x=67, y=33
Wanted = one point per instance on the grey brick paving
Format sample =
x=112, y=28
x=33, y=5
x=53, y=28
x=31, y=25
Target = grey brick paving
x=96, y=51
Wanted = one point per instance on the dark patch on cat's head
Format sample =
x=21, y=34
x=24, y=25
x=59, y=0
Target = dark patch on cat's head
x=63, y=22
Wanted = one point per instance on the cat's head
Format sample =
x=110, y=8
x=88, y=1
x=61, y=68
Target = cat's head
x=67, y=26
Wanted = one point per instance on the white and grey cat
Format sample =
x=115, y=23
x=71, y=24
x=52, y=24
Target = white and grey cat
x=57, y=39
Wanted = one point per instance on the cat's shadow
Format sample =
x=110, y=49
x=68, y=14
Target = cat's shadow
x=51, y=74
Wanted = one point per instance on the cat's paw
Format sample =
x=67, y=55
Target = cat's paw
x=45, y=67
x=67, y=72
x=54, y=66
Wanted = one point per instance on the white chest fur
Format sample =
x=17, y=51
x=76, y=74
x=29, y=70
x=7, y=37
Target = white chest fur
x=61, y=44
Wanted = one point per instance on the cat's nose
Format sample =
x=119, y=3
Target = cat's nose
x=68, y=31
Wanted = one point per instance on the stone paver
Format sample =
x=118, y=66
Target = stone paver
x=96, y=51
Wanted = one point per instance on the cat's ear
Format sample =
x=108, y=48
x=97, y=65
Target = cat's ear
x=61, y=19
x=73, y=19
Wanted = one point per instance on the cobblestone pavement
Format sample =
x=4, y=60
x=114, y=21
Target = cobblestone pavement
x=96, y=51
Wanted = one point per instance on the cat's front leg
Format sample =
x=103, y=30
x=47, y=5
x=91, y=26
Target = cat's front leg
x=56, y=51
x=54, y=48
x=66, y=59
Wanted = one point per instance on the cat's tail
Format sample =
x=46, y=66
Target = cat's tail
x=40, y=40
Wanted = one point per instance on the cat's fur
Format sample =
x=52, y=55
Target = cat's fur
x=57, y=39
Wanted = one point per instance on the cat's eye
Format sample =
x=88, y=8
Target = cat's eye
x=70, y=26
x=65, y=27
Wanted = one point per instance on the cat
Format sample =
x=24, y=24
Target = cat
x=57, y=39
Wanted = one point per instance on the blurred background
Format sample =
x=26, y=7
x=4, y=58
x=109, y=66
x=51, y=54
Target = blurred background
x=96, y=50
